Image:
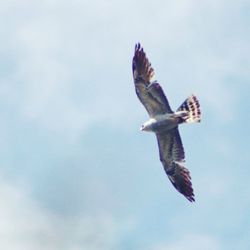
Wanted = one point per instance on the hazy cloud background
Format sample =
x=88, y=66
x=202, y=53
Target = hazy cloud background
x=76, y=173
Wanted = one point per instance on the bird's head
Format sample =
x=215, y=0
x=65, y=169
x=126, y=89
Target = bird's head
x=147, y=126
x=142, y=128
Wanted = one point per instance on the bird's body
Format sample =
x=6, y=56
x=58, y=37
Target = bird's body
x=164, y=122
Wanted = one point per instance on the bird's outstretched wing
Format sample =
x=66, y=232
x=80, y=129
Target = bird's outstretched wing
x=172, y=157
x=148, y=91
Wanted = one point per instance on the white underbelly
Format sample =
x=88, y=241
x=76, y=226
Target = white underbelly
x=164, y=124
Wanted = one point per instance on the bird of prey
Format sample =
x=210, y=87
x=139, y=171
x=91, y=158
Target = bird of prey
x=164, y=122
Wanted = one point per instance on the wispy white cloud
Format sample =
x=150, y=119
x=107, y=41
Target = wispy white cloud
x=25, y=224
x=194, y=241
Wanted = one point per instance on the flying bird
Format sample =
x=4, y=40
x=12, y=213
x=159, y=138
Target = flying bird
x=164, y=122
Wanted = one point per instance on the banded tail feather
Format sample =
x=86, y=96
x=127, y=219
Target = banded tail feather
x=192, y=106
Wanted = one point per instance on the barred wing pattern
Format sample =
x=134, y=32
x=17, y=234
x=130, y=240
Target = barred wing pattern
x=148, y=91
x=172, y=157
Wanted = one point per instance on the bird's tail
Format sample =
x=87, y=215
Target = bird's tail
x=190, y=107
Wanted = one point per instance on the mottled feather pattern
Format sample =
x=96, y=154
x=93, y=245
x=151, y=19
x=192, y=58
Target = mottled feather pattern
x=148, y=91
x=178, y=150
x=181, y=180
x=172, y=156
x=156, y=91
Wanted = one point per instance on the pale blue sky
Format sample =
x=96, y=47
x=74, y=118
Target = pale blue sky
x=75, y=171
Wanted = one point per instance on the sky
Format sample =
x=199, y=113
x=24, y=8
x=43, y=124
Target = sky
x=75, y=171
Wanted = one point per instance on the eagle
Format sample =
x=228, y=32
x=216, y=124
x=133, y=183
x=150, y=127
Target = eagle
x=164, y=122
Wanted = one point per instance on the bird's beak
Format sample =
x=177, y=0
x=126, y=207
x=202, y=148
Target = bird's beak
x=141, y=128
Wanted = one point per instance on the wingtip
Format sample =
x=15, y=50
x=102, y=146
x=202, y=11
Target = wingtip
x=190, y=198
x=188, y=192
x=141, y=67
x=138, y=47
x=181, y=179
